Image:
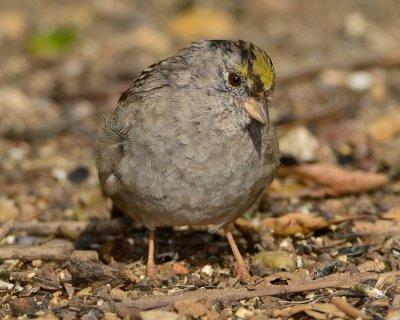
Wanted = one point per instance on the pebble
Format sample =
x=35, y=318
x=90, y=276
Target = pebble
x=355, y=25
x=6, y=285
x=117, y=294
x=300, y=144
x=36, y=263
x=207, y=270
x=59, y=174
x=84, y=292
x=360, y=81
x=110, y=316
x=243, y=313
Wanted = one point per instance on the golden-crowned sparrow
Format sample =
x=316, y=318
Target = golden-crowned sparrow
x=190, y=141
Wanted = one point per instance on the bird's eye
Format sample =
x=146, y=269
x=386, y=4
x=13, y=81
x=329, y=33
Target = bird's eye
x=234, y=79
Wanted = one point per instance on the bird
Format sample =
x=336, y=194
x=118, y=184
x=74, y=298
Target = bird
x=190, y=142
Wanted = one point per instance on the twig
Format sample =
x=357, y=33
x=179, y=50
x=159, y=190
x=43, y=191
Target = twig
x=385, y=61
x=59, y=253
x=34, y=253
x=73, y=227
x=229, y=294
x=348, y=309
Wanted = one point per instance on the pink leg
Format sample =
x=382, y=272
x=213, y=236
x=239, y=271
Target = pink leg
x=241, y=269
x=151, y=268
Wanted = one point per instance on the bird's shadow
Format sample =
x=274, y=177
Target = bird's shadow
x=196, y=246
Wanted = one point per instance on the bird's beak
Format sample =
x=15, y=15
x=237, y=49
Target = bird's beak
x=257, y=110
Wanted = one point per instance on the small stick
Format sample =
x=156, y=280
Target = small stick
x=348, y=309
x=35, y=253
x=76, y=227
x=341, y=280
x=60, y=253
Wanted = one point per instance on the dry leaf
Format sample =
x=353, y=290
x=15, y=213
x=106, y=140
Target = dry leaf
x=276, y=259
x=327, y=308
x=202, y=23
x=337, y=181
x=296, y=222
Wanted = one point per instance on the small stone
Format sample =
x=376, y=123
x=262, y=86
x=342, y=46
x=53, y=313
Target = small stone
x=5, y=285
x=243, y=313
x=59, y=174
x=84, y=292
x=278, y=259
x=117, y=294
x=207, y=270
x=360, y=81
x=17, y=153
x=355, y=25
x=36, y=263
x=110, y=316
x=299, y=143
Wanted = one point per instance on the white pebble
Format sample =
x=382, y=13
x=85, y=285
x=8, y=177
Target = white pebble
x=243, y=313
x=5, y=285
x=208, y=270
x=59, y=174
x=360, y=81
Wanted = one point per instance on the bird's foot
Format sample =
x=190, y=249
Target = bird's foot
x=242, y=273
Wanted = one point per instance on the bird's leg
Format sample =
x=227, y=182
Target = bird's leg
x=241, y=269
x=151, y=268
